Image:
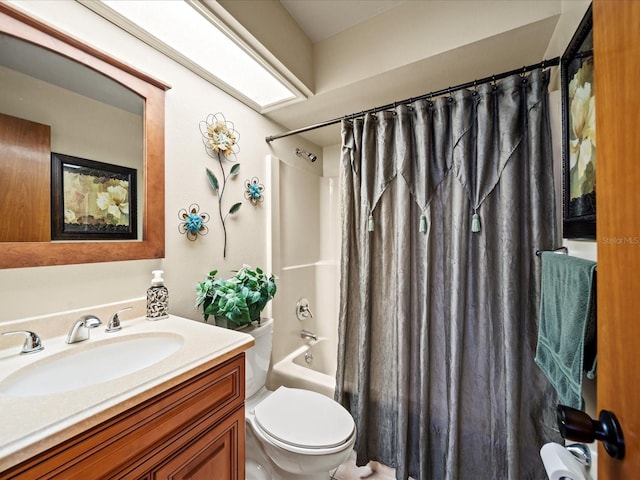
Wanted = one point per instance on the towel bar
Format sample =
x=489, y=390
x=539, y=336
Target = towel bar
x=562, y=250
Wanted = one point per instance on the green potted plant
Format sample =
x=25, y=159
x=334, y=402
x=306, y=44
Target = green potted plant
x=237, y=301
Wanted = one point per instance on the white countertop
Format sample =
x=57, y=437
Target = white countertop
x=30, y=425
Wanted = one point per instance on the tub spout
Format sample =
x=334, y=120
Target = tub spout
x=308, y=334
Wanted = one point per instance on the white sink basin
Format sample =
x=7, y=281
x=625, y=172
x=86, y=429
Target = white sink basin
x=90, y=364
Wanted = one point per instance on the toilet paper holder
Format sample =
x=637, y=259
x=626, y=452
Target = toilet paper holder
x=581, y=453
x=577, y=426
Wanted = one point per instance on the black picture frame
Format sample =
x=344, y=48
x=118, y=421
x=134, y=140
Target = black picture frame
x=92, y=200
x=578, y=134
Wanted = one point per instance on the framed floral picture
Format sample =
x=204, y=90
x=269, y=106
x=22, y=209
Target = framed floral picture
x=92, y=200
x=579, y=134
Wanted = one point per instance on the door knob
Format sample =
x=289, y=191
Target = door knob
x=577, y=426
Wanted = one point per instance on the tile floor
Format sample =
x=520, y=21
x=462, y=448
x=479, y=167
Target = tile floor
x=372, y=471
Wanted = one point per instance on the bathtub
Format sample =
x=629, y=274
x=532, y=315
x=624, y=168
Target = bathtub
x=311, y=367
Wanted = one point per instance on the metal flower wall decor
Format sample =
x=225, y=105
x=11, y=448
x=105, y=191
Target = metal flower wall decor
x=220, y=140
x=193, y=222
x=254, y=190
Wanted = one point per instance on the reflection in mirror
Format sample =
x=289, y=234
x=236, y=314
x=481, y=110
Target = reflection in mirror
x=61, y=95
x=87, y=114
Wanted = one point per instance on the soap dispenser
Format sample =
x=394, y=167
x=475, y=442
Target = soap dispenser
x=157, y=298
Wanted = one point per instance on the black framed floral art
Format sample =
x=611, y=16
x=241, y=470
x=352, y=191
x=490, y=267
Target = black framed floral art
x=579, y=134
x=92, y=200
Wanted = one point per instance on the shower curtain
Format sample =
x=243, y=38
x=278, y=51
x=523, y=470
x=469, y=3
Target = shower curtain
x=444, y=204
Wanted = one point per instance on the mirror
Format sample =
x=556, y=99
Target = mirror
x=55, y=80
x=50, y=103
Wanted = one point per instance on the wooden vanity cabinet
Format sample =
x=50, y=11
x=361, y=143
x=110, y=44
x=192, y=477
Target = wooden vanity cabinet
x=195, y=430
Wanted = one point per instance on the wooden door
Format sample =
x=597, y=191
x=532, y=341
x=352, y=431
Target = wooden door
x=25, y=179
x=617, y=93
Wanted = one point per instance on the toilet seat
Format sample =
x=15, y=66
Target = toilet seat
x=302, y=419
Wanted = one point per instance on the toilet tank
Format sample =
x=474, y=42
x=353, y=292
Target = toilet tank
x=257, y=358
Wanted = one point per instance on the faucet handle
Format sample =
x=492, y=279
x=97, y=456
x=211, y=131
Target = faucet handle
x=32, y=343
x=114, y=321
x=302, y=309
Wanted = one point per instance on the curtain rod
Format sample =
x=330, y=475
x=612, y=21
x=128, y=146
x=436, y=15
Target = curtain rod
x=545, y=63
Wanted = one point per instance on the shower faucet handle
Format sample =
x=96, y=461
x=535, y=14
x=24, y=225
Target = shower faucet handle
x=302, y=309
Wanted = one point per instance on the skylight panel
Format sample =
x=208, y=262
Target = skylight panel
x=183, y=29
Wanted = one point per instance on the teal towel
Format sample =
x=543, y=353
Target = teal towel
x=567, y=323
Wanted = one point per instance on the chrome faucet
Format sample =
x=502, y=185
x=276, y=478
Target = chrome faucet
x=308, y=334
x=32, y=342
x=80, y=330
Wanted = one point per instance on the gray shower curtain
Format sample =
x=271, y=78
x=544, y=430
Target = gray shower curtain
x=438, y=311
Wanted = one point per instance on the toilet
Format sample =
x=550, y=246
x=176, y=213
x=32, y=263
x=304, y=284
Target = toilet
x=290, y=433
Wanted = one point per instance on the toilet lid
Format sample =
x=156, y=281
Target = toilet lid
x=303, y=418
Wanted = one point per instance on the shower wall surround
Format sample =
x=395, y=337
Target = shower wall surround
x=304, y=254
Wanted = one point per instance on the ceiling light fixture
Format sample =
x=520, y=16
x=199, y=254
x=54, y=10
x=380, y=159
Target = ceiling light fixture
x=190, y=34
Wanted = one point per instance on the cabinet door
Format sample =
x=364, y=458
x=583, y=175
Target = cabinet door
x=218, y=454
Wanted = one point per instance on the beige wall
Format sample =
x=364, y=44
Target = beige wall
x=427, y=29
x=35, y=291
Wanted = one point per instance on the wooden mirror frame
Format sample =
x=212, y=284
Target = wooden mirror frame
x=33, y=254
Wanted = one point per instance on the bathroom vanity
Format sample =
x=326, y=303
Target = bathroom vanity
x=181, y=417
